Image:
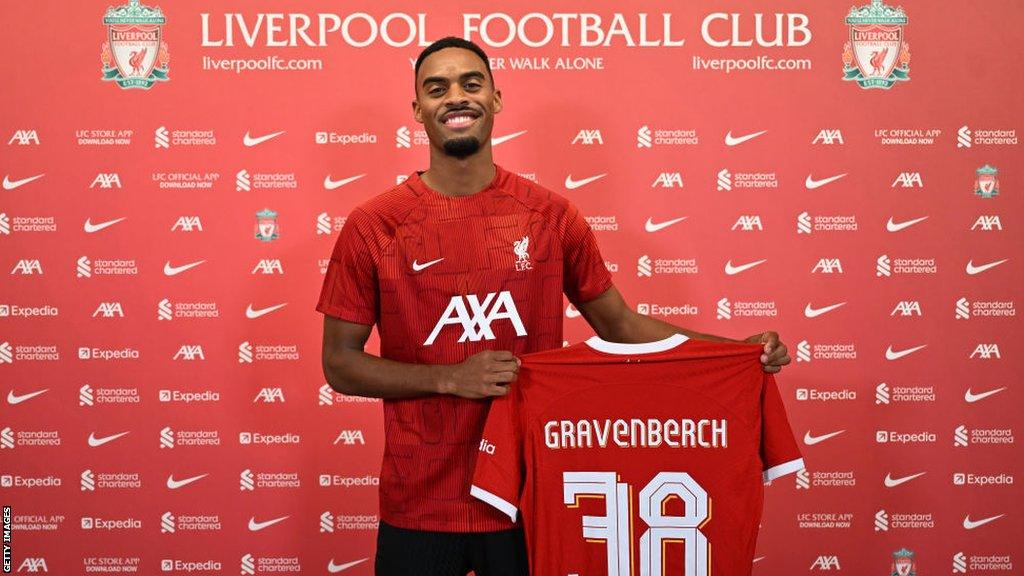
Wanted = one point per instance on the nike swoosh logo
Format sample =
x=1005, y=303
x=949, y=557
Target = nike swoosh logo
x=652, y=227
x=335, y=568
x=172, y=270
x=574, y=184
x=891, y=482
x=811, y=183
x=499, y=139
x=334, y=184
x=254, y=525
x=971, y=525
x=175, y=484
x=572, y=312
x=812, y=440
x=894, y=227
x=759, y=558
x=418, y=267
x=251, y=313
x=815, y=312
x=733, y=141
x=892, y=355
x=971, y=397
x=90, y=227
x=250, y=141
x=14, y=399
x=972, y=269
x=94, y=441
x=11, y=185
x=730, y=269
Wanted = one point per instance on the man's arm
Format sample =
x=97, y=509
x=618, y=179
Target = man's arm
x=350, y=370
x=614, y=321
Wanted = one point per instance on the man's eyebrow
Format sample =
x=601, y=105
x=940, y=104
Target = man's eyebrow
x=463, y=77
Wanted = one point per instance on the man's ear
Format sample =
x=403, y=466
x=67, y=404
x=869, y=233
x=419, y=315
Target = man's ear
x=417, y=113
x=497, y=101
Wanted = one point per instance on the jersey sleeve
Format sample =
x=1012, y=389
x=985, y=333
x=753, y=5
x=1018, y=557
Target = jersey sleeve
x=585, y=275
x=780, y=454
x=499, y=474
x=350, y=288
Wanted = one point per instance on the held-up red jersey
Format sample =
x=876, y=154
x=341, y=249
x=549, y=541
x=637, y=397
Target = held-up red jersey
x=443, y=278
x=637, y=458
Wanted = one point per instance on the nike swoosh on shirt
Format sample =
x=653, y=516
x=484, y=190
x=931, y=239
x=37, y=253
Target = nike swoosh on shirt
x=891, y=354
x=812, y=440
x=574, y=184
x=730, y=269
x=815, y=312
x=94, y=441
x=335, y=184
x=759, y=558
x=499, y=139
x=335, y=568
x=90, y=227
x=254, y=525
x=733, y=141
x=12, y=398
x=811, y=183
x=972, y=269
x=896, y=227
x=175, y=484
x=972, y=524
x=416, y=266
x=972, y=398
x=652, y=227
x=250, y=141
x=172, y=270
x=891, y=482
x=252, y=313
x=572, y=312
x=12, y=184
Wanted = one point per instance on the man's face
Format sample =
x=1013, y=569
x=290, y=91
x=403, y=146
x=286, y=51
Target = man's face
x=456, y=101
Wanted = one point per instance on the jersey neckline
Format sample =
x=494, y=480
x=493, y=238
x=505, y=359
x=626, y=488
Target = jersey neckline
x=416, y=183
x=601, y=345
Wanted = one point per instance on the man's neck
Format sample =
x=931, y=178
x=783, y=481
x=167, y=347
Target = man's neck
x=459, y=176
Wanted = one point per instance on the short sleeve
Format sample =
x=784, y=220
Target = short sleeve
x=585, y=276
x=780, y=454
x=499, y=474
x=350, y=289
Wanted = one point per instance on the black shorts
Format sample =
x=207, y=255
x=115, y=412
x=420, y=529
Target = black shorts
x=402, y=552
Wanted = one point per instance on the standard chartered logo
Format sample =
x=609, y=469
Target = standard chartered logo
x=803, y=351
x=403, y=138
x=959, y=563
x=163, y=310
x=803, y=223
x=881, y=521
x=167, y=523
x=162, y=138
x=5, y=224
x=963, y=137
x=246, y=480
x=723, y=309
x=7, y=438
x=243, y=183
x=882, y=394
x=643, y=267
x=167, y=437
x=883, y=267
x=960, y=436
x=643, y=137
x=248, y=565
x=88, y=481
x=803, y=479
x=326, y=522
x=83, y=268
x=85, y=397
x=245, y=353
x=325, y=396
x=963, y=309
x=724, y=180
x=323, y=224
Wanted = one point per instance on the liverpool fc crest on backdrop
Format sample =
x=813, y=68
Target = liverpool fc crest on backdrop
x=134, y=55
x=876, y=55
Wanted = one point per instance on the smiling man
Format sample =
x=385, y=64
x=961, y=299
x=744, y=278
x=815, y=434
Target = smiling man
x=462, y=268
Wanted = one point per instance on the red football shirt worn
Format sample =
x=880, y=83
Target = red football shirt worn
x=443, y=278
x=637, y=458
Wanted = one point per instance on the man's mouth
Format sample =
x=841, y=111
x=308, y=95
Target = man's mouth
x=459, y=118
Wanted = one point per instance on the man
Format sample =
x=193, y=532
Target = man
x=462, y=268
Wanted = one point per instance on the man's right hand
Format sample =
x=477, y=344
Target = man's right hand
x=482, y=375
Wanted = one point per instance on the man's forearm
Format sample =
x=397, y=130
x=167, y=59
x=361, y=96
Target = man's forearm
x=637, y=328
x=357, y=373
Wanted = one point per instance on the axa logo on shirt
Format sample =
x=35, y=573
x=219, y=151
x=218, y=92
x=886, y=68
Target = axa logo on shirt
x=475, y=316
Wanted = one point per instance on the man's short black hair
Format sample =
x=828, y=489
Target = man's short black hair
x=454, y=42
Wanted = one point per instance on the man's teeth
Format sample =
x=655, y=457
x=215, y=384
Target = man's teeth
x=458, y=120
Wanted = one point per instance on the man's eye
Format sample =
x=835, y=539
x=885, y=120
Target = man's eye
x=472, y=86
x=436, y=90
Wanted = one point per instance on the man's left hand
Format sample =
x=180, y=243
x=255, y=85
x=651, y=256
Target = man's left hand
x=776, y=355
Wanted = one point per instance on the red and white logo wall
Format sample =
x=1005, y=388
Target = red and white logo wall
x=175, y=176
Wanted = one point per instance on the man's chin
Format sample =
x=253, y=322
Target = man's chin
x=462, y=146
